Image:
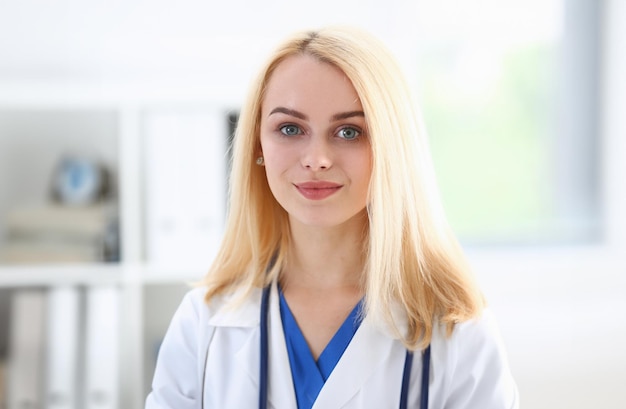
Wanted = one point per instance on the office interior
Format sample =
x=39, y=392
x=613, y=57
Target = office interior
x=115, y=122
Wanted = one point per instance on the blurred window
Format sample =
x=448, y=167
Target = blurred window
x=509, y=92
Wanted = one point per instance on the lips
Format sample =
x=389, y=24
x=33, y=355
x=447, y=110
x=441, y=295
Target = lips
x=317, y=190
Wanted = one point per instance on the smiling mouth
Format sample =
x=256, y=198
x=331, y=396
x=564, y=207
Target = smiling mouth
x=317, y=190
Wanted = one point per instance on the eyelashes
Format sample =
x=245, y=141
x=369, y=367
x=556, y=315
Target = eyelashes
x=347, y=132
x=290, y=130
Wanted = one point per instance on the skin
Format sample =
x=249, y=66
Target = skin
x=318, y=163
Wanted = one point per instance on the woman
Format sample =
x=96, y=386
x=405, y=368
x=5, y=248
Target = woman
x=338, y=283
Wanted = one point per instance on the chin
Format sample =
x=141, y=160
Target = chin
x=326, y=221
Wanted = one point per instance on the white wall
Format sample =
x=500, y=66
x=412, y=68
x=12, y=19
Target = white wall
x=190, y=44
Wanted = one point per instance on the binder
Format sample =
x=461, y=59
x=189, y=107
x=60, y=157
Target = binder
x=63, y=346
x=102, y=333
x=185, y=186
x=2, y=382
x=26, y=349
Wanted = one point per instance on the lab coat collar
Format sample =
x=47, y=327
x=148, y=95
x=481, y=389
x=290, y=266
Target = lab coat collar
x=368, y=350
x=236, y=309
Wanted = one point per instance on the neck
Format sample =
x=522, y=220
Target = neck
x=324, y=258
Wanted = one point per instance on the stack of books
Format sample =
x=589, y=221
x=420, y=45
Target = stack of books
x=57, y=233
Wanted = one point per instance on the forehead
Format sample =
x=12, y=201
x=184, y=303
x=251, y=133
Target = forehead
x=303, y=81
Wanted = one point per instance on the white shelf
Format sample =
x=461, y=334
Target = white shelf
x=183, y=256
x=95, y=274
x=49, y=275
x=171, y=275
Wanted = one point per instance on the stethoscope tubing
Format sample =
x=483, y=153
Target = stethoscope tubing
x=264, y=349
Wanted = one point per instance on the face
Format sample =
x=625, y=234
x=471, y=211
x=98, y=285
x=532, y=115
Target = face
x=314, y=141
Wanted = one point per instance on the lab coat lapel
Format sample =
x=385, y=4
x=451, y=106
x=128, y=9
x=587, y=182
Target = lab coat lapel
x=247, y=358
x=245, y=320
x=366, y=353
x=247, y=317
x=281, y=393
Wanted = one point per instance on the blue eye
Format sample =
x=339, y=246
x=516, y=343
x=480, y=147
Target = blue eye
x=290, y=130
x=348, y=133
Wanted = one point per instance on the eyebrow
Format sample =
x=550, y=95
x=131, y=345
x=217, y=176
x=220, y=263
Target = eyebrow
x=346, y=115
x=300, y=115
x=290, y=112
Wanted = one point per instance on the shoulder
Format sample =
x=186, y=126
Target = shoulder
x=472, y=338
x=478, y=330
x=180, y=365
x=477, y=347
x=193, y=302
x=477, y=372
x=236, y=308
x=196, y=319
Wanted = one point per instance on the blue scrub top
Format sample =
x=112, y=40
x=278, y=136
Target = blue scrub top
x=308, y=375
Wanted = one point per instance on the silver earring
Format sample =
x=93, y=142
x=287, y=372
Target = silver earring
x=260, y=161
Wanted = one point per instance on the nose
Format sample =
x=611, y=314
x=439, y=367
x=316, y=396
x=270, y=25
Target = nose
x=317, y=154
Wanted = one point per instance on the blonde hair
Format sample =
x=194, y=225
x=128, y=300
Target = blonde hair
x=412, y=258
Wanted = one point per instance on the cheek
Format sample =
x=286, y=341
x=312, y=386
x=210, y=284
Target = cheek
x=275, y=165
x=272, y=179
x=278, y=157
x=363, y=164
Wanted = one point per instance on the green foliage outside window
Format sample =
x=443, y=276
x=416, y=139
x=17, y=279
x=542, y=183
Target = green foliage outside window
x=490, y=134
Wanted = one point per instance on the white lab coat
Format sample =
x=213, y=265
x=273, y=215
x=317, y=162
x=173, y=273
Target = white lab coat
x=209, y=358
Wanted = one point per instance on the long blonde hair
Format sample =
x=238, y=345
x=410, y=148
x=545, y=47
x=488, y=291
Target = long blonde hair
x=412, y=259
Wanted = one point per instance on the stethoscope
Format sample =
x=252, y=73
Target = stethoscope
x=406, y=374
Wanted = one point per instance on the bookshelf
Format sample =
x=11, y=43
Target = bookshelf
x=162, y=150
